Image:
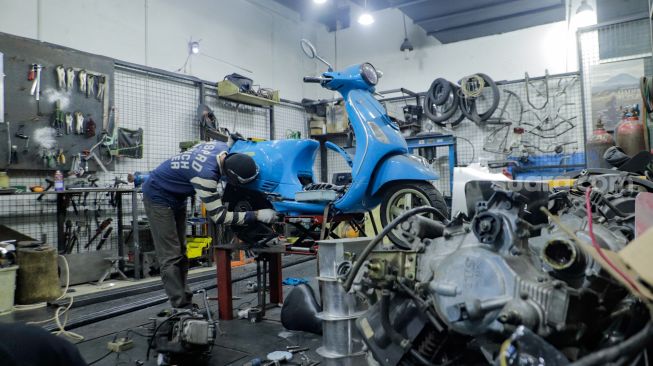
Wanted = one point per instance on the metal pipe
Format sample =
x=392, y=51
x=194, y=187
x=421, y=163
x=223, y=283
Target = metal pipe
x=136, y=235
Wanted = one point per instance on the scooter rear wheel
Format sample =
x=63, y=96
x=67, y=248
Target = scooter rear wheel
x=403, y=196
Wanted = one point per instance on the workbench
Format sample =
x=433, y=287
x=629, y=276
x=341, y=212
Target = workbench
x=63, y=199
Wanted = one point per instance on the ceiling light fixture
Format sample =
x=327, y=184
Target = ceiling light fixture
x=583, y=7
x=366, y=18
x=194, y=47
x=406, y=45
x=319, y=2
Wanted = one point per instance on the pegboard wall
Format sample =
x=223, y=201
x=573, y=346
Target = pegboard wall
x=34, y=125
x=552, y=125
x=165, y=107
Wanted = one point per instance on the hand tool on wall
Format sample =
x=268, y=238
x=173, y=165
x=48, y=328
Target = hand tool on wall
x=58, y=118
x=99, y=231
x=105, y=236
x=9, y=146
x=61, y=76
x=36, y=84
x=69, y=123
x=23, y=136
x=61, y=158
x=101, y=86
x=89, y=128
x=79, y=123
x=82, y=80
x=90, y=85
x=14, y=155
x=70, y=78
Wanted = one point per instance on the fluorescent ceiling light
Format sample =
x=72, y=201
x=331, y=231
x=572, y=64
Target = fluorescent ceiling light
x=320, y=1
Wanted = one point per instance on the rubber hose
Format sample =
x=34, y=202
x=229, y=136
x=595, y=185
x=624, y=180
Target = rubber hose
x=429, y=102
x=633, y=344
x=439, y=91
x=495, y=94
x=468, y=105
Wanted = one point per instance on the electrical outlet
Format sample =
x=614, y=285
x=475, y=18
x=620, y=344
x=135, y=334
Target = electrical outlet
x=120, y=345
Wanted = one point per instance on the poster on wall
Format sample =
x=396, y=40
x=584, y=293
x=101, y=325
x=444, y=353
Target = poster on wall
x=614, y=86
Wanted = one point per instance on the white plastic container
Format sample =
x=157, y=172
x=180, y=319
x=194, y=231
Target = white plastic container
x=7, y=288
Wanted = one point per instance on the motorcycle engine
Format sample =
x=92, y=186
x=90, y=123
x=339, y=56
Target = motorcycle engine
x=465, y=288
x=182, y=337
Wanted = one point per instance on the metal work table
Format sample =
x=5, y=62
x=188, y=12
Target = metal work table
x=271, y=268
x=436, y=140
x=62, y=211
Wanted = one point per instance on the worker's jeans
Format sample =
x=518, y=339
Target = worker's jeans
x=168, y=227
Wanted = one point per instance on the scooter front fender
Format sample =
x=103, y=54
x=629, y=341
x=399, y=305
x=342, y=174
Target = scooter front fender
x=400, y=167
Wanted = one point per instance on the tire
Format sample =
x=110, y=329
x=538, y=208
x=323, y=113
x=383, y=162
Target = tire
x=239, y=200
x=430, y=110
x=424, y=191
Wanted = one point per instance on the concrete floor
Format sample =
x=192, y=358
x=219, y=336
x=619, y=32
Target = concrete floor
x=240, y=341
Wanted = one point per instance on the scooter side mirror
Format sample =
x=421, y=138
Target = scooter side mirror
x=310, y=51
x=308, y=48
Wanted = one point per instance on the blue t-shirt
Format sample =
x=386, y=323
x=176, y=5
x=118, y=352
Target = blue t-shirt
x=170, y=183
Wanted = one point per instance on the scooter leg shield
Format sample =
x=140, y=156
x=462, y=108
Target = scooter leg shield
x=300, y=309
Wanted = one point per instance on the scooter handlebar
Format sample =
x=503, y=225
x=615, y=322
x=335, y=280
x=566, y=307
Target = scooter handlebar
x=313, y=79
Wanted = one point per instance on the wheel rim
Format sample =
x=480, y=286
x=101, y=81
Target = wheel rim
x=404, y=200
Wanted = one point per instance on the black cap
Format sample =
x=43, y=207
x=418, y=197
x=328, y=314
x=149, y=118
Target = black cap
x=240, y=168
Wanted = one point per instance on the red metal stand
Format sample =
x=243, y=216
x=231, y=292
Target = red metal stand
x=225, y=294
x=223, y=267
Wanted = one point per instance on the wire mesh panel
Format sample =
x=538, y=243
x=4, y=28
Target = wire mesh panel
x=612, y=58
x=164, y=107
x=290, y=121
x=249, y=121
x=537, y=121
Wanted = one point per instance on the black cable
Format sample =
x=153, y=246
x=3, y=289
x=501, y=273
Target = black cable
x=633, y=344
x=100, y=359
x=386, y=230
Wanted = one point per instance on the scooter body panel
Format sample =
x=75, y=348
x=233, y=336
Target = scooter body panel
x=281, y=165
x=400, y=168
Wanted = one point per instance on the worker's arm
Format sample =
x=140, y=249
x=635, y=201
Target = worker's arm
x=210, y=192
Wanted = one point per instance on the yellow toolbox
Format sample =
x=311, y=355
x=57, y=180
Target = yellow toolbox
x=196, y=245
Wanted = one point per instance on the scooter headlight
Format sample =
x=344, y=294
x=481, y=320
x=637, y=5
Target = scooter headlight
x=369, y=74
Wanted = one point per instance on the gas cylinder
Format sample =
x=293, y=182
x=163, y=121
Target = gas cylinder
x=597, y=143
x=630, y=135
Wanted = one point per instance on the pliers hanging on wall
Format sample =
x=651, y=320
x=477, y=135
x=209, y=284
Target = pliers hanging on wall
x=70, y=78
x=61, y=76
x=102, y=80
x=69, y=123
x=79, y=123
x=82, y=81
x=90, y=85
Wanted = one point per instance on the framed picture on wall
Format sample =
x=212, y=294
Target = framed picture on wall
x=614, y=86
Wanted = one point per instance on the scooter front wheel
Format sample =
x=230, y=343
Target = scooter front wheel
x=403, y=196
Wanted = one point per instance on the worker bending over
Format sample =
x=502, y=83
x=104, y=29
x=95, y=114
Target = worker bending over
x=202, y=170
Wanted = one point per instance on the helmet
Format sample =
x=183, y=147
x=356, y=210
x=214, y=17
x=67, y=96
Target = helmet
x=240, y=168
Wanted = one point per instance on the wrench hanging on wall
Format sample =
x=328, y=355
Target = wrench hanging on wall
x=82, y=81
x=70, y=78
x=61, y=76
x=90, y=85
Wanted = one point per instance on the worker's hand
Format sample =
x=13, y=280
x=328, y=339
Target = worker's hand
x=267, y=216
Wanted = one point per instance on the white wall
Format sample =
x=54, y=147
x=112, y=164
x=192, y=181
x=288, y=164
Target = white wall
x=259, y=35
x=504, y=57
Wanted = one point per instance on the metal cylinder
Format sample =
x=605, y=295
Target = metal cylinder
x=630, y=136
x=596, y=145
x=339, y=329
x=330, y=359
x=336, y=302
x=342, y=344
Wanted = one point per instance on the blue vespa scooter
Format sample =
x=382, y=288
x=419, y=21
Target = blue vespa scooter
x=382, y=170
